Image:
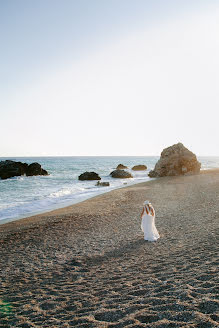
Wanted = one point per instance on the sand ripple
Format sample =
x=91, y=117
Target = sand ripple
x=90, y=267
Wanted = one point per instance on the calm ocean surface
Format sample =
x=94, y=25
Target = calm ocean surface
x=24, y=196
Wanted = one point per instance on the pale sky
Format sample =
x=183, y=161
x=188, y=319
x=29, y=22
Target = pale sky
x=108, y=77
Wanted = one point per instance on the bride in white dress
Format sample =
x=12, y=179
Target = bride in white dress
x=147, y=223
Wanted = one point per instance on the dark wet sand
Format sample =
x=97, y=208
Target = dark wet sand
x=88, y=265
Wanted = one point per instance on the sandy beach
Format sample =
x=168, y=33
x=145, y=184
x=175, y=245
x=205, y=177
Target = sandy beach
x=87, y=265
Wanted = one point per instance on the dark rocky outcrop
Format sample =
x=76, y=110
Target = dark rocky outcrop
x=35, y=169
x=176, y=160
x=9, y=169
x=121, y=167
x=139, y=168
x=89, y=176
x=120, y=174
x=102, y=184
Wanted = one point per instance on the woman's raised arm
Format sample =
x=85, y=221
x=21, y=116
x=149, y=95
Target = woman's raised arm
x=142, y=212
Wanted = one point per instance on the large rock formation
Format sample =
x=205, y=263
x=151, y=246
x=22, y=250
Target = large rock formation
x=176, y=160
x=89, y=176
x=120, y=174
x=139, y=168
x=9, y=169
x=121, y=167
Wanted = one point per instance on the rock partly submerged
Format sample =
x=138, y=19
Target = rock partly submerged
x=10, y=169
x=139, y=168
x=35, y=169
x=121, y=167
x=89, y=176
x=176, y=160
x=120, y=174
x=102, y=184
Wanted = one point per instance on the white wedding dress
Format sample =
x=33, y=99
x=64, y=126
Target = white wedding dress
x=148, y=224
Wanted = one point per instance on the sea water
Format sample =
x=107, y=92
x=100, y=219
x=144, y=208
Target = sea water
x=25, y=196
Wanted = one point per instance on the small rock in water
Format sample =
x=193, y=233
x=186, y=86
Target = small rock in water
x=102, y=184
x=121, y=174
x=121, y=167
x=89, y=176
x=139, y=168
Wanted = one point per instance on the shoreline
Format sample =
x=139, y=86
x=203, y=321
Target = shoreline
x=84, y=198
x=87, y=265
x=30, y=221
x=35, y=217
x=72, y=202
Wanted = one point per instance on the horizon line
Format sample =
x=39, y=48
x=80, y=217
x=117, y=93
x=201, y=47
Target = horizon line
x=26, y=156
